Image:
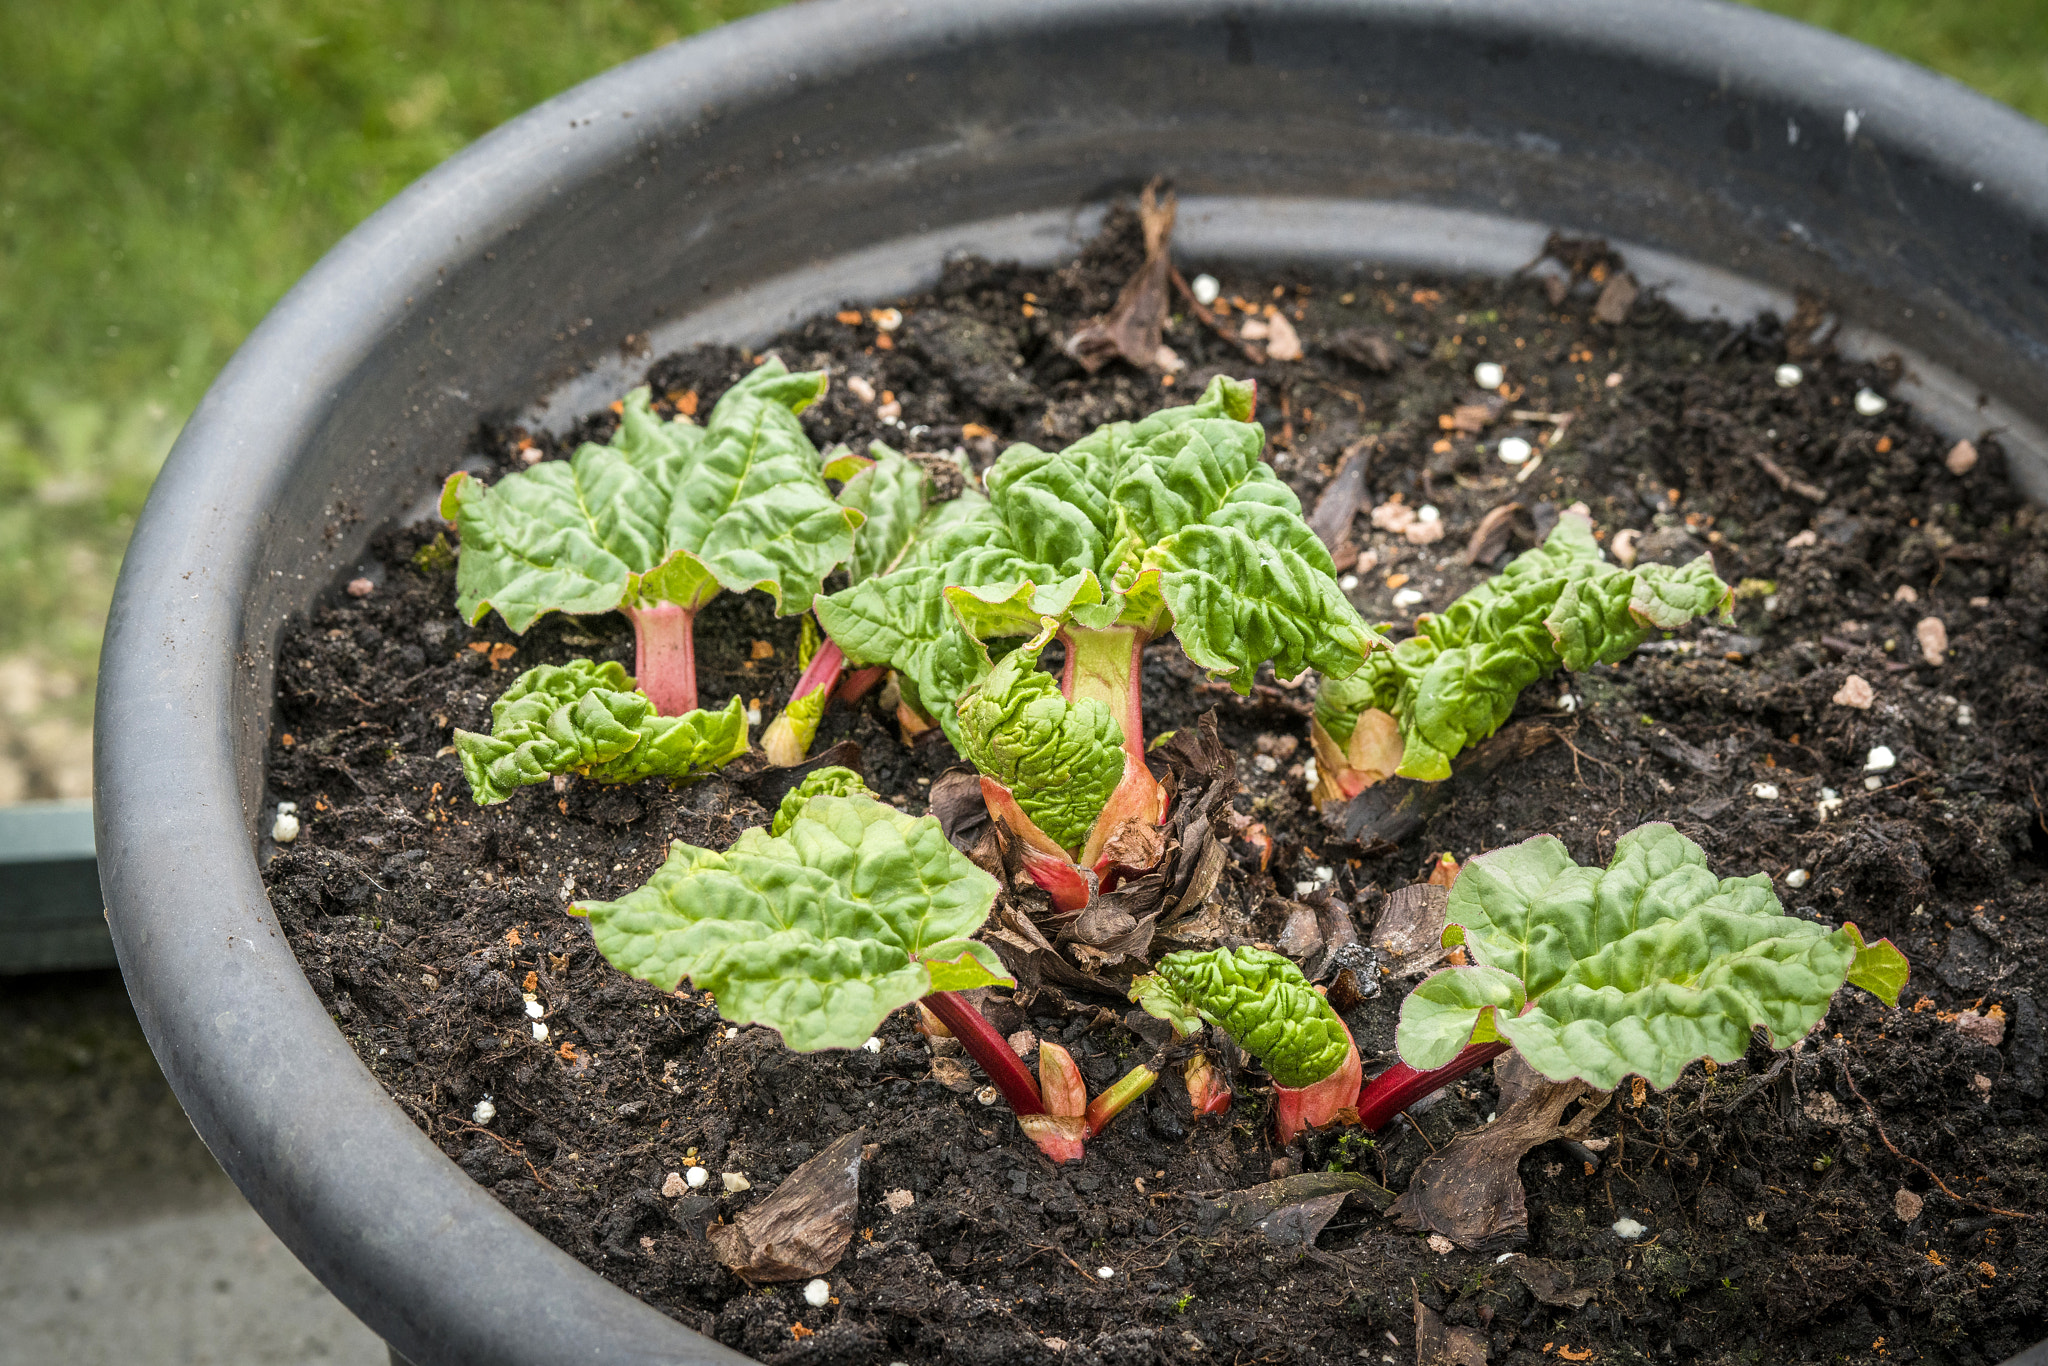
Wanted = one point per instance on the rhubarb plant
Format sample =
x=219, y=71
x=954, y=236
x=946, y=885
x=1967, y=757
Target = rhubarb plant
x=1172, y=524
x=1641, y=967
x=1411, y=709
x=657, y=522
x=854, y=910
x=1262, y=1001
x=901, y=516
x=586, y=718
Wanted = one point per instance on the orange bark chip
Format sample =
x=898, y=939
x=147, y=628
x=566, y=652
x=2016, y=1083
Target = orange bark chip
x=851, y=317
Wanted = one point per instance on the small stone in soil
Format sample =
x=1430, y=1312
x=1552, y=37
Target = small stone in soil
x=1870, y=403
x=484, y=1112
x=735, y=1182
x=1628, y=1229
x=285, y=828
x=873, y=1045
x=1933, y=637
x=1514, y=450
x=1205, y=288
x=897, y=1201
x=674, y=1186
x=361, y=588
x=1797, y=878
x=1907, y=1205
x=818, y=1294
x=1872, y=784
x=1105, y=1272
x=696, y=1177
x=1788, y=376
x=1962, y=458
x=1440, y=1245
x=1855, y=692
x=1879, y=760
x=1489, y=374
x=1764, y=792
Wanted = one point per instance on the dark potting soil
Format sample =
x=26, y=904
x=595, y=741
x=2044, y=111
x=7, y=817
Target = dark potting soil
x=1841, y=1203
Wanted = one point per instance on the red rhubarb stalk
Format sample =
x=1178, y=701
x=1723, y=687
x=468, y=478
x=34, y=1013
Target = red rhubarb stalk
x=1317, y=1104
x=1105, y=665
x=665, y=663
x=784, y=742
x=987, y=1048
x=859, y=683
x=1400, y=1086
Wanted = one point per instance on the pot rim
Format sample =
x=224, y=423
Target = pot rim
x=270, y=1083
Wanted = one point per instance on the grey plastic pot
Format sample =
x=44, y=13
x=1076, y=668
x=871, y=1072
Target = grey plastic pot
x=725, y=186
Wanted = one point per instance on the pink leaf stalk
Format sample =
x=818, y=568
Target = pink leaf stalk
x=1320, y=1103
x=988, y=1048
x=665, y=649
x=1206, y=1087
x=859, y=683
x=1400, y=1086
x=782, y=742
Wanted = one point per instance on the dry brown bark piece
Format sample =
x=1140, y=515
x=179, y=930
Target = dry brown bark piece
x=1617, y=297
x=1337, y=506
x=1492, y=534
x=1411, y=926
x=1550, y=1282
x=1133, y=326
x=1470, y=1191
x=804, y=1227
x=1439, y=1345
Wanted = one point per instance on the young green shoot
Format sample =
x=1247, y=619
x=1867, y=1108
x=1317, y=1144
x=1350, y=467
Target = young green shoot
x=1411, y=709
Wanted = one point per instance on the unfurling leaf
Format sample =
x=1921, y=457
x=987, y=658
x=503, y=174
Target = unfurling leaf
x=1261, y=1000
x=1171, y=523
x=1641, y=967
x=855, y=910
x=585, y=718
x=1560, y=605
x=829, y=781
x=1060, y=759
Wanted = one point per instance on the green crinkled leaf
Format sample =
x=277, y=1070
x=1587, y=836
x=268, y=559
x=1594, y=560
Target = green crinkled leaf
x=1879, y=969
x=667, y=512
x=1557, y=606
x=1639, y=968
x=1449, y=1010
x=829, y=781
x=895, y=497
x=585, y=718
x=1061, y=759
x=820, y=932
x=1173, y=522
x=1257, y=997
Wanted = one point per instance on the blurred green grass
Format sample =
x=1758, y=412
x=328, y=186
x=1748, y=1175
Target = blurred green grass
x=169, y=167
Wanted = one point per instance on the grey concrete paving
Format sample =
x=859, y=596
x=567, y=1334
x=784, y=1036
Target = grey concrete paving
x=121, y=1242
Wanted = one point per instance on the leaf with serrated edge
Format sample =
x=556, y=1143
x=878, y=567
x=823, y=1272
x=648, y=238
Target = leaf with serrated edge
x=667, y=512
x=585, y=718
x=1642, y=967
x=1173, y=522
x=819, y=933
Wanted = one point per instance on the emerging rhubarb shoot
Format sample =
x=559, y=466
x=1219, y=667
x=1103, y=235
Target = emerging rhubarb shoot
x=585, y=718
x=657, y=523
x=1640, y=968
x=1411, y=709
x=1262, y=1001
x=903, y=509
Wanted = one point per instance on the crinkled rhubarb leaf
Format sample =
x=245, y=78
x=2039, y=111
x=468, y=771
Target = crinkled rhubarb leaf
x=1559, y=605
x=1641, y=967
x=896, y=497
x=667, y=512
x=819, y=932
x=1169, y=523
x=585, y=718
x=1260, y=999
x=830, y=781
x=1061, y=759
